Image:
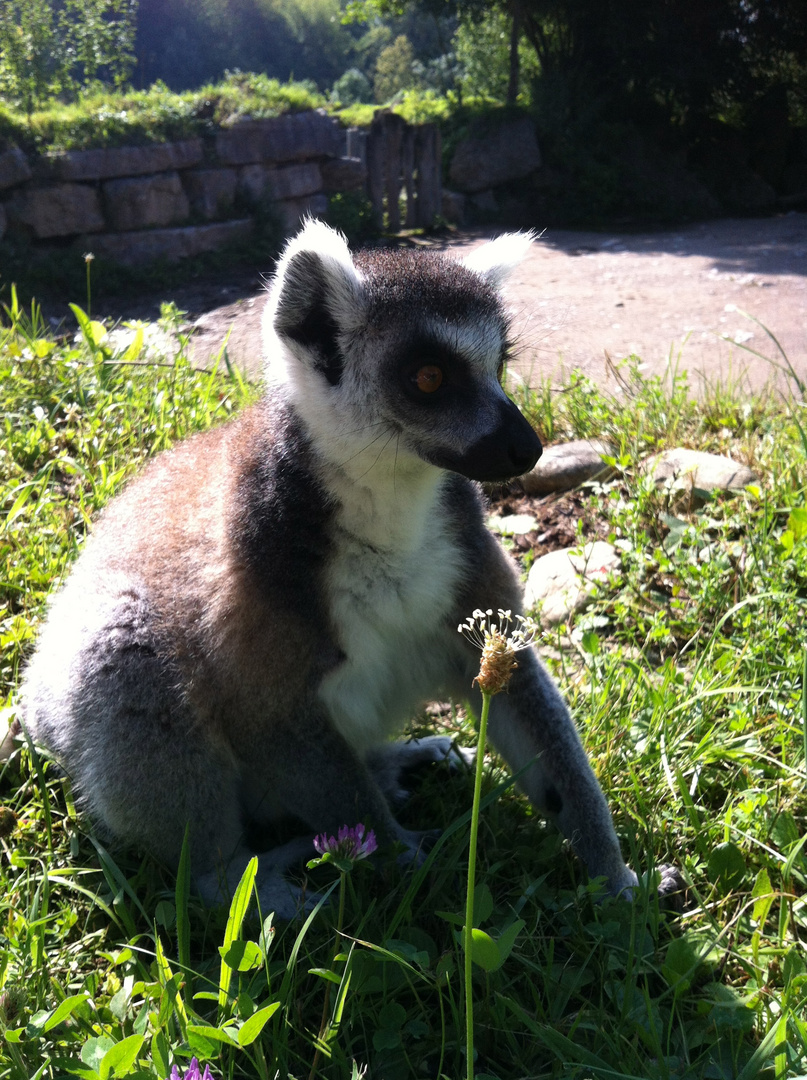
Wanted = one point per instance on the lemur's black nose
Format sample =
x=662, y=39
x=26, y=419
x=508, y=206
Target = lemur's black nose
x=525, y=450
x=509, y=450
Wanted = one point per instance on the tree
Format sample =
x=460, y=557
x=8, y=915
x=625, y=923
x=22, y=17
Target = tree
x=98, y=38
x=48, y=48
x=393, y=69
x=484, y=53
x=352, y=87
x=670, y=58
x=30, y=69
x=187, y=43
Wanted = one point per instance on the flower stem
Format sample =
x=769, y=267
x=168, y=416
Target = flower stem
x=89, y=287
x=469, y=903
x=323, y=1024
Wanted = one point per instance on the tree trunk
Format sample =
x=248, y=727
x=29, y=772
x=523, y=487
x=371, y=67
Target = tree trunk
x=515, y=35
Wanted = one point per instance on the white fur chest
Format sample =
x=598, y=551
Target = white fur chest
x=391, y=586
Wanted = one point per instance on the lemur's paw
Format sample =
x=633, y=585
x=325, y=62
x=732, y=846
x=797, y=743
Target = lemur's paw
x=671, y=889
x=392, y=763
x=417, y=845
x=287, y=900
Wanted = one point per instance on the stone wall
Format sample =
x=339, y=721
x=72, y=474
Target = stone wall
x=174, y=200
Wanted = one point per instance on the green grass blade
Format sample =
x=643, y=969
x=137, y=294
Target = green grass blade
x=235, y=922
x=181, y=897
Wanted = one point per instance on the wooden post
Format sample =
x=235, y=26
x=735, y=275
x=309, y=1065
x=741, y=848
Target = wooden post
x=394, y=125
x=408, y=174
x=429, y=181
x=376, y=155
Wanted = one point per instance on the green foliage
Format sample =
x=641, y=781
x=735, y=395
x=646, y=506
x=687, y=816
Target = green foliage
x=352, y=88
x=356, y=115
x=188, y=43
x=28, y=71
x=687, y=678
x=368, y=47
x=140, y=117
x=482, y=47
x=423, y=106
x=655, y=111
x=352, y=213
x=49, y=49
x=322, y=43
x=393, y=69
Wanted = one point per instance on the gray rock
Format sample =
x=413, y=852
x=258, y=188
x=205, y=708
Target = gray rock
x=58, y=210
x=292, y=211
x=211, y=192
x=255, y=182
x=296, y=181
x=509, y=152
x=344, y=174
x=695, y=469
x=483, y=201
x=562, y=582
x=131, y=248
x=145, y=202
x=126, y=160
x=747, y=193
x=512, y=524
x=14, y=168
x=566, y=465
x=293, y=137
x=794, y=180
x=453, y=208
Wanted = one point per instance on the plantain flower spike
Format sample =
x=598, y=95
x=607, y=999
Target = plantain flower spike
x=498, y=645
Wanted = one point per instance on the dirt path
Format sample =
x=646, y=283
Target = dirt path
x=581, y=296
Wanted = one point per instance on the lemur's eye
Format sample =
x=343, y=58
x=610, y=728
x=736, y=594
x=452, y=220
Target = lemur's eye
x=428, y=378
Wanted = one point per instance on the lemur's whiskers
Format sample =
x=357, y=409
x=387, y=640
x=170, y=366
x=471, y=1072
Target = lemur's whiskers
x=378, y=455
x=364, y=449
x=359, y=430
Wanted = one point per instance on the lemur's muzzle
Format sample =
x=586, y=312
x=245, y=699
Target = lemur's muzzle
x=510, y=449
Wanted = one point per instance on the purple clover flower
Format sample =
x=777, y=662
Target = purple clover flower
x=192, y=1072
x=350, y=843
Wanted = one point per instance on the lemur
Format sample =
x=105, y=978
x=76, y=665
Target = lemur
x=258, y=613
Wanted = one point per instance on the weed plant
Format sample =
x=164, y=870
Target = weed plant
x=686, y=676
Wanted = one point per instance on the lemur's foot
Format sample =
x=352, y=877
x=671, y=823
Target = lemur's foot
x=672, y=888
x=393, y=763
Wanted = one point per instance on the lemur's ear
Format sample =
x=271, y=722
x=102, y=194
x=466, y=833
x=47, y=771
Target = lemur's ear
x=496, y=260
x=315, y=296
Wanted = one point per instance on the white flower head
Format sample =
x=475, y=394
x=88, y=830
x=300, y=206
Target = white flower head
x=498, y=643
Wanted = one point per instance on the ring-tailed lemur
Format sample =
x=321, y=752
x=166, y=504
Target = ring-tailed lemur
x=270, y=601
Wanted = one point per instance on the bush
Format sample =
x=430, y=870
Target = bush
x=352, y=213
x=393, y=69
x=352, y=88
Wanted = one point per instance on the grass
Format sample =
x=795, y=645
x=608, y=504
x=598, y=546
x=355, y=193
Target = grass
x=106, y=118
x=686, y=676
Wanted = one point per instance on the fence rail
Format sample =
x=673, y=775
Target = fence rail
x=404, y=158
